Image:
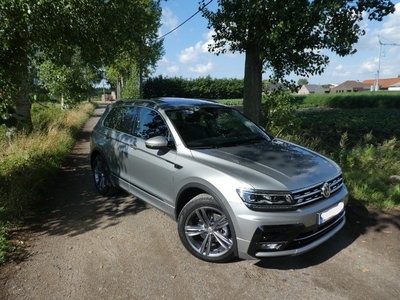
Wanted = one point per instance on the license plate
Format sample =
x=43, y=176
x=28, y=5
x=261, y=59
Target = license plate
x=330, y=213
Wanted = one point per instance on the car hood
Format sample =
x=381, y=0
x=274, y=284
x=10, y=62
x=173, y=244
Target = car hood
x=275, y=164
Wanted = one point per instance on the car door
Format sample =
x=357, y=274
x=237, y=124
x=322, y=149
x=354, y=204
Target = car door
x=120, y=124
x=151, y=170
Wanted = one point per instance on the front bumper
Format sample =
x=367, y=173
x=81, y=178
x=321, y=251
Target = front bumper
x=272, y=234
x=292, y=239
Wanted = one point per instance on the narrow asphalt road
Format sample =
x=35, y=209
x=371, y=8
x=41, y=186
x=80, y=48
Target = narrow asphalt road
x=91, y=247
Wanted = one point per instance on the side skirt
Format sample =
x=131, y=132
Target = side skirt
x=144, y=196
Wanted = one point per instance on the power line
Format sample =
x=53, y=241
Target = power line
x=376, y=87
x=185, y=20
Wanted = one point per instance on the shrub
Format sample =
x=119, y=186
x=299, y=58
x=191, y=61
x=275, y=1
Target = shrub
x=279, y=114
x=367, y=170
x=203, y=87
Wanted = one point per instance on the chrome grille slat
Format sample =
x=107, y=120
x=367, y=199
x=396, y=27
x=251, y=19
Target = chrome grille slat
x=307, y=195
x=313, y=193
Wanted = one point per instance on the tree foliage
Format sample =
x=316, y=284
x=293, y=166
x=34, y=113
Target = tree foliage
x=203, y=87
x=54, y=32
x=302, y=81
x=135, y=59
x=279, y=113
x=286, y=37
x=73, y=82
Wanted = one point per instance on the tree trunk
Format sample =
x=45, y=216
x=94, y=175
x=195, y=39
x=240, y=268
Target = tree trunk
x=253, y=84
x=21, y=100
x=141, y=70
x=62, y=102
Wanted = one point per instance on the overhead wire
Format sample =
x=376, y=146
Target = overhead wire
x=172, y=30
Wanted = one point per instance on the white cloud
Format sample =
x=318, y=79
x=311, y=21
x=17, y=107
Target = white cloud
x=188, y=55
x=340, y=71
x=385, y=42
x=388, y=31
x=202, y=68
x=198, y=51
x=163, y=60
x=209, y=40
x=393, y=21
x=368, y=67
x=168, y=19
x=191, y=54
x=173, y=69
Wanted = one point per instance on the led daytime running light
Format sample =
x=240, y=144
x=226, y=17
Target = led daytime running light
x=254, y=197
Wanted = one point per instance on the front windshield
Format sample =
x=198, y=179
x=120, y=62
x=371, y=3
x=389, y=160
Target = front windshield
x=212, y=127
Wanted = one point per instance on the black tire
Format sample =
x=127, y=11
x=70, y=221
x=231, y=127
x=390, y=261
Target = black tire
x=101, y=177
x=206, y=231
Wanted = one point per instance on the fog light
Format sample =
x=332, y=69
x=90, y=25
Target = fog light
x=271, y=246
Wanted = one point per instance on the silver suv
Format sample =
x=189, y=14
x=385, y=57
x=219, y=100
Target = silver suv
x=233, y=189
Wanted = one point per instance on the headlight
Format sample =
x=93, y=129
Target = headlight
x=266, y=200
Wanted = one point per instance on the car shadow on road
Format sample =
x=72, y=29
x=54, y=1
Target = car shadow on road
x=73, y=206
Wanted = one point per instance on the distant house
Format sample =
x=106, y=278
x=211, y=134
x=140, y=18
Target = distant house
x=351, y=86
x=384, y=83
x=272, y=87
x=312, y=89
x=394, y=87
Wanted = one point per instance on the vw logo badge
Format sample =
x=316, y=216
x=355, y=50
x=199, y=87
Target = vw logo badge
x=326, y=190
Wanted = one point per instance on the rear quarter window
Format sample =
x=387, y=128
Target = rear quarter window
x=121, y=118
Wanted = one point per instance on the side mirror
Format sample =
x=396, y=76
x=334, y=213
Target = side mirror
x=156, y=142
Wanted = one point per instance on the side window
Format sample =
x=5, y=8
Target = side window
x=121, y=118
x=151, y=124
x=113, y=117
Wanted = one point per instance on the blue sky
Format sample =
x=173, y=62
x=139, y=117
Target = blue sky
x=186, y=52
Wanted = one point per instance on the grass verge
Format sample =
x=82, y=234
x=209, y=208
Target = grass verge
x=29, y=163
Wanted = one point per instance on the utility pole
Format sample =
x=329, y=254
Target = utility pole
x=379, y=61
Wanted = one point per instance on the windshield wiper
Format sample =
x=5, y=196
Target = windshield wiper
x=252, y=141
x=205, y=147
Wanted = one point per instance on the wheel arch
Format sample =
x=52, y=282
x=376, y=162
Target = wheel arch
x=94, y=153
x=98, y=152
x=189, y=191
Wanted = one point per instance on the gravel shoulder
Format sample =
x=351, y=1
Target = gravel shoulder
x=85, y=246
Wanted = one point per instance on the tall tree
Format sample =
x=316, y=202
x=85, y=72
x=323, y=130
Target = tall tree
x=137, y=58
x=72, y=81
x=59, y=28
x=286, y=37
x=302, y=81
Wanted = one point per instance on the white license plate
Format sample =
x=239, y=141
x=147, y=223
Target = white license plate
x=330, y=213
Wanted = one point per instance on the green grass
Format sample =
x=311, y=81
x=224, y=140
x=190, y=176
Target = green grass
x=231, y=101
x=367, y=170
x=381, y=99
x=328, y=125
x=28, y=163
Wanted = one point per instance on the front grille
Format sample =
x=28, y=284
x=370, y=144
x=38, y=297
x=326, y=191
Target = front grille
x=314, y=193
